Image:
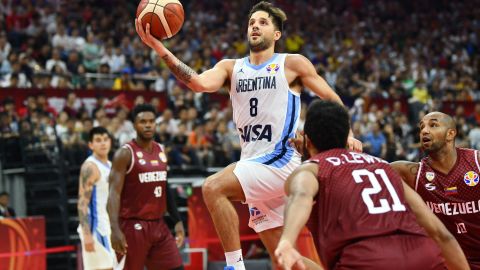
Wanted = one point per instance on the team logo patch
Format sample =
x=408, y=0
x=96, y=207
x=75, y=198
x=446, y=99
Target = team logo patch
x=142, y=161
x=256, y=216
x=254, y=212
x=471, y=178
x=430, y=176
x=273, y=68
x=162, y=157
x=139, y=154
x=154, y=162
x=137, y=226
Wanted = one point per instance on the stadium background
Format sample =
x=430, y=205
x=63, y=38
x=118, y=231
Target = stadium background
x=66, y=66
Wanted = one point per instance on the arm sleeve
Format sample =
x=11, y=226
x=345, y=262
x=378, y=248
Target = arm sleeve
x=172, y=205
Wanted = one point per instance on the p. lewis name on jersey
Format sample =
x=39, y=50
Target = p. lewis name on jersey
x=258, y=83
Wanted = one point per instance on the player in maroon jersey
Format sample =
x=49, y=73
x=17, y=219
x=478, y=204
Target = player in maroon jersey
x=361, y=217
x=448, y=181
x=139, y=198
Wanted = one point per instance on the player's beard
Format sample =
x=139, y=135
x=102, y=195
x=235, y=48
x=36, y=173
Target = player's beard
x=260, y=46
x=434, y=147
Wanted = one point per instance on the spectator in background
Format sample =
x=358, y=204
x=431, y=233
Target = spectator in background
x=104, y=81
x=375, y=143
x=5, y=210
x=55, y=60
x=91, y=53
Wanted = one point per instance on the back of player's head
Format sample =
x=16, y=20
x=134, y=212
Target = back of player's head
x=142, y=108
x=278, y=16
x=327, y=125
x=97, y=131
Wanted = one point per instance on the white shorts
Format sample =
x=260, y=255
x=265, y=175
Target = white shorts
x=263, y=186
x=103, y=257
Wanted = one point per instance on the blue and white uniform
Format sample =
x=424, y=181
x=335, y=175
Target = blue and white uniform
x=266, y=113
x=104, y=256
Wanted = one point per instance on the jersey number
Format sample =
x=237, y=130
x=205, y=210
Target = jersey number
x=158, y=191
x=375, y=189
x=253, y=106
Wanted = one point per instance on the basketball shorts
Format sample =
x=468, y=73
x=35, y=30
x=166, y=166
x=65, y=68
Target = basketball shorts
x=150, y=244
x=102, y=258
x=263, y=186
x=394, y=252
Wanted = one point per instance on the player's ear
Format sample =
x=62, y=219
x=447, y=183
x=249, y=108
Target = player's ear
x=451, y=134
x=277, y=35
x=309, y=147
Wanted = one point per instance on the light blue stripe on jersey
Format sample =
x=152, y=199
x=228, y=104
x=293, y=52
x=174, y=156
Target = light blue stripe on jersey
x=93, y=210
x=247, y=62
x=283, y=152
x=103, y=240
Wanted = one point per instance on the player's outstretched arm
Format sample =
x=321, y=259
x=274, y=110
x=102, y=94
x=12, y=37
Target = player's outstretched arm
x=407, y=170
x=209, y=81
x=301, y=187
x=89, y=175
x=305, y=70
x=451, y=251
x=116, y=179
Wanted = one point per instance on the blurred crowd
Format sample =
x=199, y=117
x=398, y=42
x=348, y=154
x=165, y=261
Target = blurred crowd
x=419, y=54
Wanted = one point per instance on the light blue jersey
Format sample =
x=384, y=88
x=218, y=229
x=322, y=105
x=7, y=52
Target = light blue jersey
x=265, y=110
x=97, y=209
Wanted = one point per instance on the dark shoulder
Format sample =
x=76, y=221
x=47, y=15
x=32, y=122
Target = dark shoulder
x=123, y=154
x=407, y=170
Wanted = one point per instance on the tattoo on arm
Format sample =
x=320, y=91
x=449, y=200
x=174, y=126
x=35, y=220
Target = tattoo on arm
x=179, y=69
x=413, y=169
x=85, y=194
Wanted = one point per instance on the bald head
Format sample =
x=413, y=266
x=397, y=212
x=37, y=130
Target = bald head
x=445, y=119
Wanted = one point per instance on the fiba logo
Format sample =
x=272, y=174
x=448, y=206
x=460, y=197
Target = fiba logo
x=471, y=178
x=273, y=68
x=254, y=212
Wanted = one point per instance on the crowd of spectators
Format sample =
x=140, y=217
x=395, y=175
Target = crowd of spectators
x=418, y=54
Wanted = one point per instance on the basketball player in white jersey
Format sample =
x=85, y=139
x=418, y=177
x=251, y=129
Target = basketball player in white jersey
x=265, y=92
x=94, y=228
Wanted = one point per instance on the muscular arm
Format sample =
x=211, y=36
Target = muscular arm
x=407, y=170
x=451, y=251
x=209, y=81
x=305, y=71
x=89, y=175
x=301, y=188
x=120, y=164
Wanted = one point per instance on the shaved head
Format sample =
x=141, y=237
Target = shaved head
x=443, y=118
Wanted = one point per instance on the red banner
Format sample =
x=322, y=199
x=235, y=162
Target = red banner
x=22, y=238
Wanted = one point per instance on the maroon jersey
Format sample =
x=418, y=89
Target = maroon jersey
x=360, y=197
x=144, y=190
x=455, y=199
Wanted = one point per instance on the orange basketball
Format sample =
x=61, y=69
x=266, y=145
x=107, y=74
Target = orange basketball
x=164, y=16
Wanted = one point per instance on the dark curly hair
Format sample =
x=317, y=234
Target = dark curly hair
x=327, y=125
x=142, y=108
x=278, y=16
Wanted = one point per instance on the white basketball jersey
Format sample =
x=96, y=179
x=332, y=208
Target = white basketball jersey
x=97, y=209
x=265, y=110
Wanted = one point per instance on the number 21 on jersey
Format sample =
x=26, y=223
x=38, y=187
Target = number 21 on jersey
x=375, y=189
